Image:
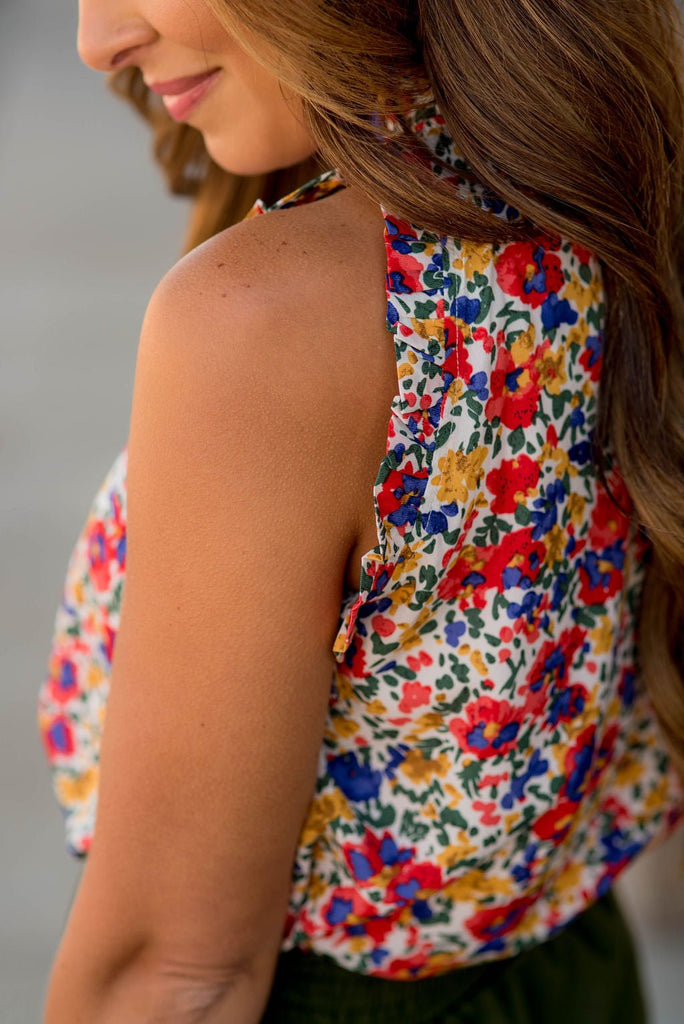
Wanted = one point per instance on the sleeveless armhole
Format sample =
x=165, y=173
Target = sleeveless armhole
x=430, y=310
x=414, y=287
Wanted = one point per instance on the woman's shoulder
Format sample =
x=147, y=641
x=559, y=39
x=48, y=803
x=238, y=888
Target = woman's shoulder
x=306, y=282
x=279, y=325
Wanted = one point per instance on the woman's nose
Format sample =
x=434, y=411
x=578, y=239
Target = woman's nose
x=109, y=33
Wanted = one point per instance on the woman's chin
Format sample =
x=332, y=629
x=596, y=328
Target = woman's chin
x=249, y=161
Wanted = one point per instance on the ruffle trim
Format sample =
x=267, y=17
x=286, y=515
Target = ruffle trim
x=424, y=316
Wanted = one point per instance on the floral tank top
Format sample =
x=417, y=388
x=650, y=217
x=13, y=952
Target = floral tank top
x=491, y=761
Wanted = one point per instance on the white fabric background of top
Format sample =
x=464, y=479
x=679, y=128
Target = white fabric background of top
x=86, y=232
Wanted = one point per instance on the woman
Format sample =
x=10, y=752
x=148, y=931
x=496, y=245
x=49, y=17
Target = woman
x=501, y=623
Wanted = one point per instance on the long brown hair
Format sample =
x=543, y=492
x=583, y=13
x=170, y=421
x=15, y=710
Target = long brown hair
x=571, y=111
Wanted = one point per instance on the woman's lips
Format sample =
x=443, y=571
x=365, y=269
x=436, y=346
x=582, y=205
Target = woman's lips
x=181, y=95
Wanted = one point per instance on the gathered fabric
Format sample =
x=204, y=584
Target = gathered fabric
x=491, y=761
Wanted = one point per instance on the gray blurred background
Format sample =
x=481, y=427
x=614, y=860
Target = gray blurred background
x=86, y=232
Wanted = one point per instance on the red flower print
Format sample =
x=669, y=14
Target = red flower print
x=58, y=737
x=406, y=967
x=354, y=663
x=553, y=663
x=382, y=625
x=601, y=573
x=516, y=558
x=414, y=695
x=63, y=682
x=456, y=362
x=400, y=495
x=529, y=272
x=591, y=358
x=483, y=336
x=99, y=555
x=108, y=641
x=414, y=882
x=587, y=760
x=486, y=810
x=416, y=662
x=375, y=854
x=518, y=554
x=515, y=391
x=403, y=271
x=555, y=823
x=567, y=703
x=491, y=923
x=346, y=907
x=490, y=727
x=512, y=477
x=376, y=928
x=608, y=522
x=106, y=545
x=495, y=779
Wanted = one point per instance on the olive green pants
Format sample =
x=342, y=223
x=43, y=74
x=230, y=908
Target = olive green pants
x=587, y=974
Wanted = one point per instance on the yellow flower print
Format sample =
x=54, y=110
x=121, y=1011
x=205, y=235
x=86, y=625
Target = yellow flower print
x=474, y=885
x=476, y=257
x=658, y=795
x=323, y=810
x=578, y=334
x=72, y=789
x=629, y=771
x=477, y=661
x=455, y=390
x=437, y=963
x=560, y=457
x=460, y=473
x=455, y=794
x=569, y=878
x=456, y=852
x=555, y=545
x=316, y=887
x=430, y=720
x=344, y=727
x=602, y=635
x=551, y=369
x=429, y=329
x=419, y=769
x=575, y=506
x=583, y=295
x=95, y=675
x=529, y=923
x=345, y=690
x=408, y=560
x=402, y=594
x=410, y=633
x=523, y=346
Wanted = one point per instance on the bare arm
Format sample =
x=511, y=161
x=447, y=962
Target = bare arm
x=221, y=675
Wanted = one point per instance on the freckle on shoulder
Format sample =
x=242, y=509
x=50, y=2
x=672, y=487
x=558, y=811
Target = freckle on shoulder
x=278, y=272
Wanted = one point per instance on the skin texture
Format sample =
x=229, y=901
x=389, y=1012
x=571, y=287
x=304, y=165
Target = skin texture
x=259, y=420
